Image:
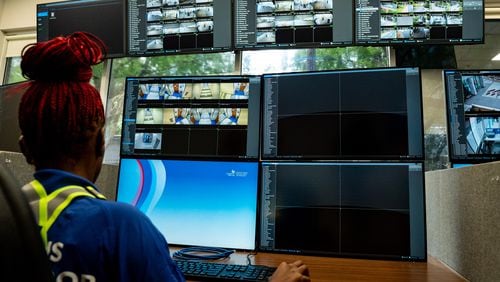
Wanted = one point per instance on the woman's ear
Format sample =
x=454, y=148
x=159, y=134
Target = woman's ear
x=25, y=150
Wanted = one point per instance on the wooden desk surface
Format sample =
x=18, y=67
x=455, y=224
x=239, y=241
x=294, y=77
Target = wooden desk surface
x=343, y=269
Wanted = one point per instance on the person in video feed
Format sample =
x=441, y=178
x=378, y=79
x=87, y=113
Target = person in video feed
x=180, y=116
x=239, y=92
x=177, y=93
x=204, y=116
x=61, y=117
x=153, y=91
x=231, y=118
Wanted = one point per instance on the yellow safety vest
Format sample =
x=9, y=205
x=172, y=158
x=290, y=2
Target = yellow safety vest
x=47, y=208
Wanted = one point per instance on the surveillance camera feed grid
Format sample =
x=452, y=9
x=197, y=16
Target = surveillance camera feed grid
x=177, y=17
x=192, y=116
x=187, y=91
x=278, y=16
x=420, y=19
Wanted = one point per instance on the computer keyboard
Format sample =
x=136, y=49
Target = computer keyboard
x=210, y=271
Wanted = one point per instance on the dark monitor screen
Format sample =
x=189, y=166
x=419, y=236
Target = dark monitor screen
x=328, y=209
x=426, y=56
x=419, y=22
x=281, y=24
x=10, y=98
x=473, y=115
x=157, y=27
x=194, y=203
x=367, y=114
x=200, y=117
x=103, y=18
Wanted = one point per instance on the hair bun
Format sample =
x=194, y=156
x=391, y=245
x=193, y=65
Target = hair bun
x=63, y=58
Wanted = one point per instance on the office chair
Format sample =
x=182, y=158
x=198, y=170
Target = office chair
x=22, y=255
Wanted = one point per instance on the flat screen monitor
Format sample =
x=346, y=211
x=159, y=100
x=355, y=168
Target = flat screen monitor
x=328, y=209
x=367, y=114
x=194, y=203
x=103, y=18
x=419, y=22
x=157, y=27
x=192, y=117
x=10, y=98
x=473, y=115
x=285, y=24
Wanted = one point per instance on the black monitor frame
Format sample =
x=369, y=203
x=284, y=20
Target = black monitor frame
x=374, y=33
x=223, y=181
x=417, y=241
x=111, y=29
x=247, y=110
x=457, y=116
x=157, y=30
x=268, y=153
x=294, y=33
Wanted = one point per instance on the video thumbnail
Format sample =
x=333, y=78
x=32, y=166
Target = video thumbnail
x=154, y=91
x=149, y=116
x=233, y=116
x=206, y=90
x=180, y=116
x=148, y=141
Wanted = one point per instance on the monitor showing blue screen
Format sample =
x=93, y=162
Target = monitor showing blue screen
x=194, y=203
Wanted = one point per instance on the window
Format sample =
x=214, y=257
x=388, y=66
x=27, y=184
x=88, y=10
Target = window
x=269, y=61
x=13, y=70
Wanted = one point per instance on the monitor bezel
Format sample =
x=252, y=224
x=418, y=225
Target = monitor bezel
x=451, y=156
x=257, y=191
x=306, y=45
x=170, y=52
x=83, y=3
x=347, y=158
x=425, y=42
x=201, y=78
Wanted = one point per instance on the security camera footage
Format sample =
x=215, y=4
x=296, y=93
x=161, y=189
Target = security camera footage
x=473, y=107
x=158, y=27
x=361, y=114
x=296, y=23
x=192, y=117
x=419, y=21
x=380, y=214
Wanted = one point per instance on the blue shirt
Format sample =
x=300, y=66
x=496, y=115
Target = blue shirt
x=107, y=240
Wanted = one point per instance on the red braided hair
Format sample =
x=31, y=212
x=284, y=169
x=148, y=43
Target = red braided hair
x=60, y=110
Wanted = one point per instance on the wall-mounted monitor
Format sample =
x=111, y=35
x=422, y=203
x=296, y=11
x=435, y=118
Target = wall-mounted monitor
x=365, y=114
x=473, y=115
x=419, y=22
x=194, y=203
x=103, y=18
x=10, y=98
x=158, y=27
x=193, y=117
x=343, y=209
x=285, y=24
